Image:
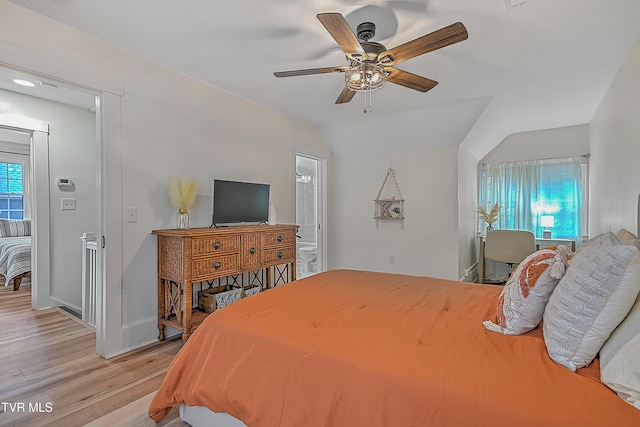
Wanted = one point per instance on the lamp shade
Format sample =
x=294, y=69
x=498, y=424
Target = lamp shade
x=546, y=221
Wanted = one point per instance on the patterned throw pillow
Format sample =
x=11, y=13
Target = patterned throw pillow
x=522, y=301
x=593, y=297
x=15, y=227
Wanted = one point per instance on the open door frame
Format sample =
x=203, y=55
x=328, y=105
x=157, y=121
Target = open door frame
x=39, y=184
x=322, y=157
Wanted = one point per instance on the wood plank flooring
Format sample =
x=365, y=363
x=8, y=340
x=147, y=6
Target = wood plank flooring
x=51, y=375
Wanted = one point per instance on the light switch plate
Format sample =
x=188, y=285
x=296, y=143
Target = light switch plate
x=131, y=215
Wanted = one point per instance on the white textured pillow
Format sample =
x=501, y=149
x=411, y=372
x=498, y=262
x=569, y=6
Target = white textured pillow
x=524, y=296
x=620, y=356
x=592, y=298
x=604, y=239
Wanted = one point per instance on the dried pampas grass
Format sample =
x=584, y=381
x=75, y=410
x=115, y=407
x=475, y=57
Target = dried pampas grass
x=182, y=192
x=489, y=216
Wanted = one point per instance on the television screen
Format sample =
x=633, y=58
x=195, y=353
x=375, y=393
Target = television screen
x=240, y=202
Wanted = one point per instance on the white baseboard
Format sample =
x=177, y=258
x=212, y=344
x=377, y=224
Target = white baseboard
x=470, y=274
x=56, y=302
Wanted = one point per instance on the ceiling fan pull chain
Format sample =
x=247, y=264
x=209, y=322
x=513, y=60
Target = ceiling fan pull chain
x=365, y=102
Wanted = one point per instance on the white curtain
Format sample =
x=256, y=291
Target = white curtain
x=528, y=190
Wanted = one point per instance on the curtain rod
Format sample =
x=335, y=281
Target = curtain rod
x=582, y=156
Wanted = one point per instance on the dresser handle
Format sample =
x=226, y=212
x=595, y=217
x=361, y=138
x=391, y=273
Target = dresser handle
x=280, y=254
x=216, y=245
x=217, y=265
x=252, y=251
x=279, y=239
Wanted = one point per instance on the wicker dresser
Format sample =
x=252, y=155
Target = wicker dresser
x=197, y=255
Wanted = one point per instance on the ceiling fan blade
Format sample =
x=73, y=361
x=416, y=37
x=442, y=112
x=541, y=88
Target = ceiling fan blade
x=443, y=37
x=337, y=26
x=338, y=69
x=410, y=80
x=345, y=96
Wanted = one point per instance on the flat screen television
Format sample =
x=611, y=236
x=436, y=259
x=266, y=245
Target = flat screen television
x=237, y=202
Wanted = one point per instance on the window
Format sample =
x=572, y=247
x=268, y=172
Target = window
x=11, y=191
x=542, y=195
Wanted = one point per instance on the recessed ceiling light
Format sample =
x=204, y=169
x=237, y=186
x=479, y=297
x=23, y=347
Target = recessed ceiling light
x=23, y=82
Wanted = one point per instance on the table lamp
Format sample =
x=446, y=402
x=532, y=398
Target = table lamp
x=547, y=222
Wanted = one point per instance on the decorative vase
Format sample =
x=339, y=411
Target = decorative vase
x=182, y=219
x=272, y=215
x=489, y=227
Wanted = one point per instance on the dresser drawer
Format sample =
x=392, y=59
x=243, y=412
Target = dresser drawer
x=280, y=255
x=250, y=250
x=284, y=238
x=211, y=245
x=215, y=266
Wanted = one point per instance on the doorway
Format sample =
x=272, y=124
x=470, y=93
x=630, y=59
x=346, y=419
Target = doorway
x=73, y=158
x=35, y=134
x=310, y=215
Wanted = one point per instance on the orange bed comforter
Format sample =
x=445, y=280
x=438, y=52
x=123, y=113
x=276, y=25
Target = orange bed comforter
x=353, y=348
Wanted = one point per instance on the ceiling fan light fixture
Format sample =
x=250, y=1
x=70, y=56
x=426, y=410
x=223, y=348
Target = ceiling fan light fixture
x=365, y=76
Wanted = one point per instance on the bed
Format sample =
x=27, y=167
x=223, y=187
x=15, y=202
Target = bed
x=356, y=348
x=363, y=348
x=15, y=251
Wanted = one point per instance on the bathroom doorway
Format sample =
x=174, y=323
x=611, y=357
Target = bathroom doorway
x=310, y=215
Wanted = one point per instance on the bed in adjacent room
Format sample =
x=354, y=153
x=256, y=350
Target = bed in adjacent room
x=15, y=251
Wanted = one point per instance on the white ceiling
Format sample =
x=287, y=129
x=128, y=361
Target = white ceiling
x=547, y=63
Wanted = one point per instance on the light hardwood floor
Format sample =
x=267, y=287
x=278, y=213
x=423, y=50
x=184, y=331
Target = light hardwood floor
x=51, y=375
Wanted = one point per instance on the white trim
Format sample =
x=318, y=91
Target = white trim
x=23, y=123
x=134, y=334
x=49, y=69
x=40, y=209
x=39, y=194
x=56, y=302
x=470, y=273
x=109, y=334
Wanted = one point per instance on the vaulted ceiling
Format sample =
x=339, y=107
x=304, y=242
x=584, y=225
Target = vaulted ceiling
x=544, y=64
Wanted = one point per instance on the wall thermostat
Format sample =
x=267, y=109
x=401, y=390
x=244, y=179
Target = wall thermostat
x=65, y=182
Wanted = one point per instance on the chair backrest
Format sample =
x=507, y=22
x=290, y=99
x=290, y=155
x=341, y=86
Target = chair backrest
x=509, y=246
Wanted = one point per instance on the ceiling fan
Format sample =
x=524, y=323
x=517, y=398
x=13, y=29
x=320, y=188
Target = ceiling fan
x=370, y=64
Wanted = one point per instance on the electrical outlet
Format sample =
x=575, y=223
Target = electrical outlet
x=392, y=259
x=68, y=204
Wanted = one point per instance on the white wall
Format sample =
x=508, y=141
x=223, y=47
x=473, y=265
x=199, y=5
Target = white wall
x=467, y=196
x=615, y=152
x=541, y=144
x=169, y=125
x=424, y=243
x=72, y=154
